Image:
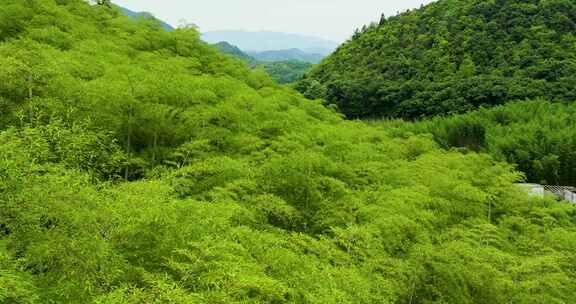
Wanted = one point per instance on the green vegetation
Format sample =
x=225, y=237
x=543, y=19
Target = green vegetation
x=286, y=72
x=143, y=166
x=539, y=137
x=452, y=56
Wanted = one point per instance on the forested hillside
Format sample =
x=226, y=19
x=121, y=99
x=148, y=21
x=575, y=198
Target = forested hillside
x=287, y=71
x=143, y=166
x=453, y=56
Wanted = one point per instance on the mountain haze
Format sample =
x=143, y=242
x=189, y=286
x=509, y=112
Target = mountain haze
x=287, y=55
x=271, y=41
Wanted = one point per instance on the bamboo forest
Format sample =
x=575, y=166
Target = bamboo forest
x=141, y=164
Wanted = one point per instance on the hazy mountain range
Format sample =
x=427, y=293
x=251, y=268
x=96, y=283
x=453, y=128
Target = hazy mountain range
x=289, y=54
x=271, y=41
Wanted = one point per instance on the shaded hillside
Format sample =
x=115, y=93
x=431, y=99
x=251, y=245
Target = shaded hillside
x=451, y=57
x=143, y=166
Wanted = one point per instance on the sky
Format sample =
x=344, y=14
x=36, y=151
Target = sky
x=330, y=19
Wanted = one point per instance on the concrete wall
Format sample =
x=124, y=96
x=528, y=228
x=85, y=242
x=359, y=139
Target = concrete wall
x=570, y=196
x=540, y=191
x=533, y=189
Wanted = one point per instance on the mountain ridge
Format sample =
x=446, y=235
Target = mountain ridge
x=257, y=41
x=133, y=14
x=287, y=55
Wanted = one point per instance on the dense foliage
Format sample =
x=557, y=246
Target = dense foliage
x=286, y=72
x=539, y=137
x=142, y=166
x=453, y=56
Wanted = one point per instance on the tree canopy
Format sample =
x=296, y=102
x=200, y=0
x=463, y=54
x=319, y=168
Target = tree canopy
x=537, y=136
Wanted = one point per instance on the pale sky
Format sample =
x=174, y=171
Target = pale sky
x=330, y=19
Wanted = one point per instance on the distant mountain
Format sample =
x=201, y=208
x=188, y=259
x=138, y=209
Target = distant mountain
x=271, y=41
x=134, y=14
x=287, y=55
x=284, y=71
x=233, y=50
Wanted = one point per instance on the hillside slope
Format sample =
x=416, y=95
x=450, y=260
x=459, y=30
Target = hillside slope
x=143, y=166
x=451, y=57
